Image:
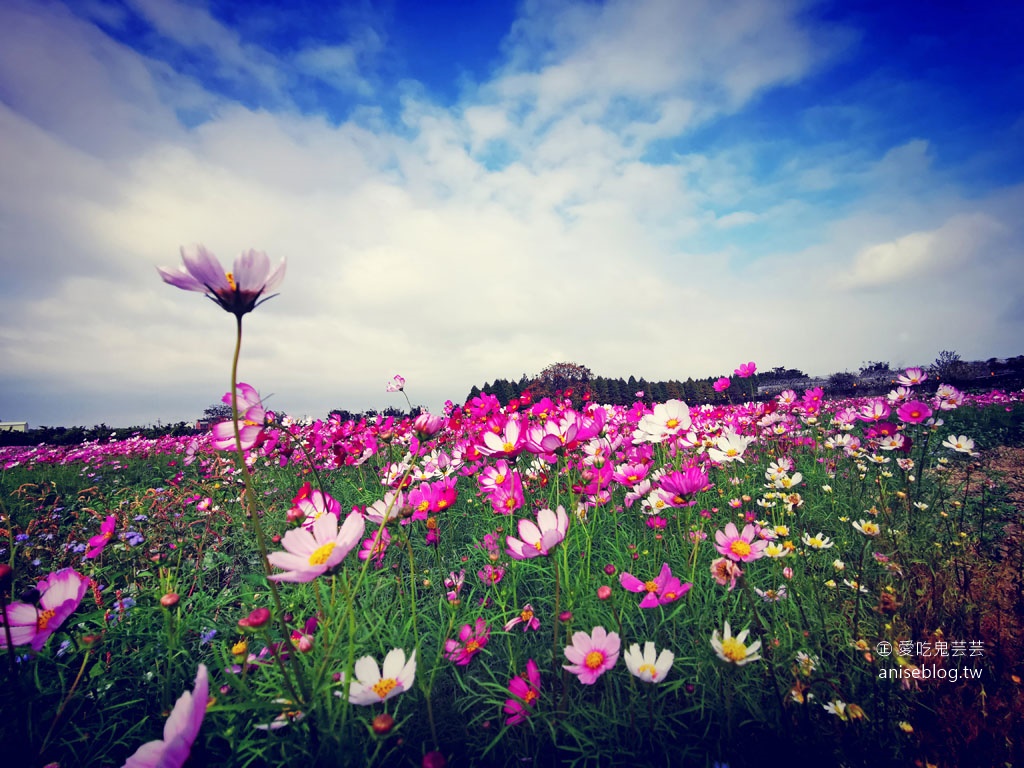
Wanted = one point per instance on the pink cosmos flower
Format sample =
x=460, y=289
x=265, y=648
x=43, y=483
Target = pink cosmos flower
x=724, y=570
x=538, y=538
x=100, y=540
x=524, y=690
x=740, y=547
x=472, y=640
x=427, y=425
x=526, y=617
x=722, y=384
x=913, y=412
x=592, y=655
x=251, y=419
x=397, y=384
x=60, y=594
x=311, y=553
x=678, y=485
x=375, y=546
x=664, y=588
x=912, y=377
x=310, y=505
x=746, y=370
x=238, y=291
x=491, y=575
x=180, y=730
x=506, y=439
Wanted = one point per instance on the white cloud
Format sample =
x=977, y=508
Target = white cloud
x=921, y=256
x=409, y=254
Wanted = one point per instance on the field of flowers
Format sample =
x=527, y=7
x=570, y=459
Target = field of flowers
x=536, y=584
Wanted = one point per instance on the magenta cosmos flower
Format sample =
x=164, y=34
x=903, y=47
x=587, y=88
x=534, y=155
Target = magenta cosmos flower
x=592, y=655
x=722, y=384
x=913, y=412
x=472, y=640
x=746, y=370
x=238, y=291
x=60, y=594
x=524, y=690
x=538, y=538
x=310, y=553
x=180, y=730
x=100, y=540
x=664, y=588
x=740, y=547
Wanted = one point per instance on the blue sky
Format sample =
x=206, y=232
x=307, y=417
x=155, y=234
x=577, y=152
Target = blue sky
x=473, y=190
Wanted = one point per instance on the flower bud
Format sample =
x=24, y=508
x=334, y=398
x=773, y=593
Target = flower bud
x=434, y=760
x=6, y=575
x=169, y=600
x=604, y=592
x=609, y=569
x=383, y=723
x=257, y=618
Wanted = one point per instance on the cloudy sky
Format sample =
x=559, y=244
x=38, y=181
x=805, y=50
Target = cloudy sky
x=473, y=189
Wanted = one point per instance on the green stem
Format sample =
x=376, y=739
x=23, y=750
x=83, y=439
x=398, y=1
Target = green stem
x=64, y=704
x=253, y=515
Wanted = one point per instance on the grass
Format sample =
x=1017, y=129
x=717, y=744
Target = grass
x=948, y=569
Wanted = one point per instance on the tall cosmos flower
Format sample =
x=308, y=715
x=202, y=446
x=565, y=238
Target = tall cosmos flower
x=592, y=655
x=311, y=553
x=238, y=291
x=180, y=730
x=60, y=595
x=746, y=370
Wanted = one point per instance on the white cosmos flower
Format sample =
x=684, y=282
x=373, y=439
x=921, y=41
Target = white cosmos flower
x=648, y=666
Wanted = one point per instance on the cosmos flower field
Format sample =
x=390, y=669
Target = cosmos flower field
x=542, y=583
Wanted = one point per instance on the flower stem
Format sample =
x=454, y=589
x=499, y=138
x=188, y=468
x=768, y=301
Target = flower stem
x=253, y=515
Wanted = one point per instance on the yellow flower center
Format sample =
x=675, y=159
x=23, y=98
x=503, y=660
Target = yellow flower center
x=384, y=686
x=239, y=648
x=43, y=619
x=651, y=586
x=320, y=554
x=530, y=696
x=733, y=649
x=672, y=423
x=472, y=646
x=649, y=668
x=594, y=660
x=526, y=616
x=508, y=447
x=231, y=281
x=499, y=479
x=740, y=548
